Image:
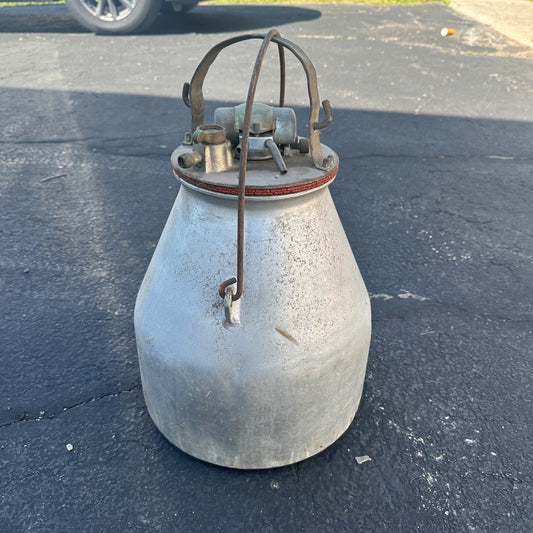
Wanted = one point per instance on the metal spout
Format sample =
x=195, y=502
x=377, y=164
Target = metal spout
x=190, y=159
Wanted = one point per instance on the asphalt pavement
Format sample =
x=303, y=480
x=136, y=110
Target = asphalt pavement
x=434, y=191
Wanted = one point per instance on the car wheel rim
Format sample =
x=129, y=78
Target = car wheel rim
x=109, y=10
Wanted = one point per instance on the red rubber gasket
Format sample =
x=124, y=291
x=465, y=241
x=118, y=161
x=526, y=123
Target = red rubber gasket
x=257, y=192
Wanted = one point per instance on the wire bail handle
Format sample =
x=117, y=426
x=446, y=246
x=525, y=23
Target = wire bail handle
x=193, y=97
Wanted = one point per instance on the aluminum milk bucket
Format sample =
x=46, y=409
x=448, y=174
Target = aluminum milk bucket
x=273, y=375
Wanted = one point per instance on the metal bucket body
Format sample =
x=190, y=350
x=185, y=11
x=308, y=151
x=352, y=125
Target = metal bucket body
x=285, y=382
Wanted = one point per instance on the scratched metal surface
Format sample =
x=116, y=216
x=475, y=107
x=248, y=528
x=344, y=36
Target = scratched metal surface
x=434, y=137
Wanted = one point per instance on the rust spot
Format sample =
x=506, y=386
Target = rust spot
x=288, y=336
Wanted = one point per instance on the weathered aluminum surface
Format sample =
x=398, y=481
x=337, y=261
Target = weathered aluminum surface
x=272, y=372
x=285, y=382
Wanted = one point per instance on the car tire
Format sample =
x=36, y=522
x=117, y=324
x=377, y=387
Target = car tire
x=114, y=17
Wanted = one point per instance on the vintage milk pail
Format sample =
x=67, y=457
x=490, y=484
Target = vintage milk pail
x=253, y=321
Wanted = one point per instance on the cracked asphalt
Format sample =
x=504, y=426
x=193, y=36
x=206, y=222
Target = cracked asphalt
x=434, y=136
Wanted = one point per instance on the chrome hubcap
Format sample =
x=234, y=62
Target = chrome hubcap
x=109, y=10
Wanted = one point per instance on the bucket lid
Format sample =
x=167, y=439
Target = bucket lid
x=263, y=178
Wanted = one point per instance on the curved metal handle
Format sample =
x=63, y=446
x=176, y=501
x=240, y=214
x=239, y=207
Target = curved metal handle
x=194, y=98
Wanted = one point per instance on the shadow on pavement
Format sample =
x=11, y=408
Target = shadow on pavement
x=437, y=210
x=202, y=19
